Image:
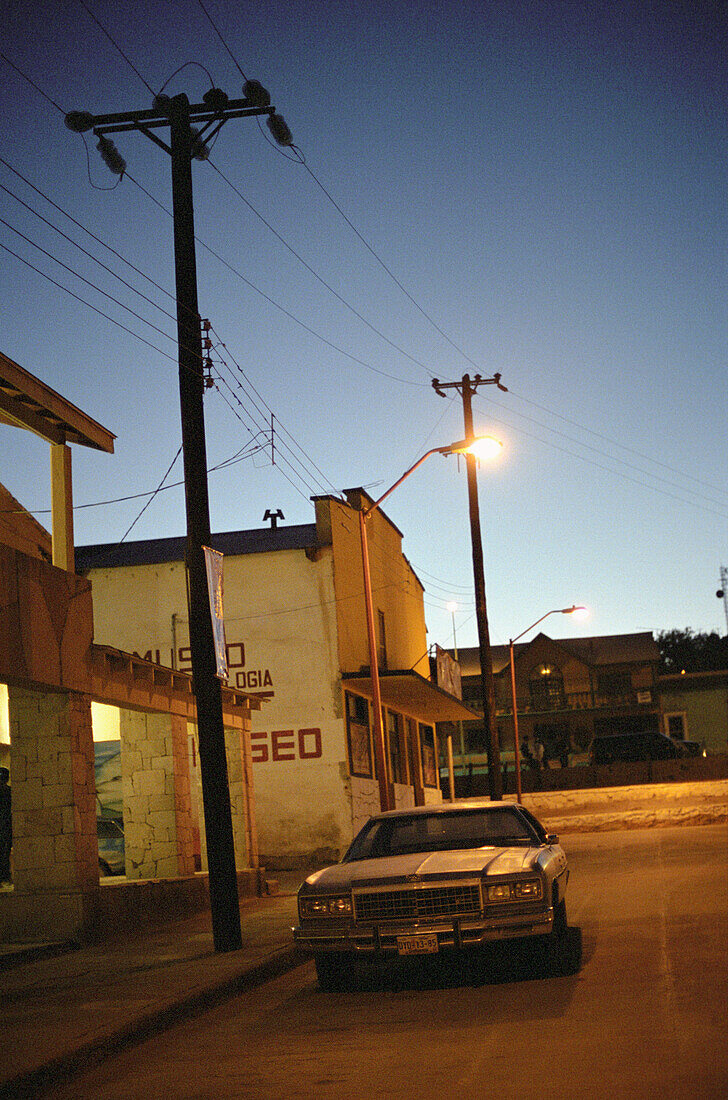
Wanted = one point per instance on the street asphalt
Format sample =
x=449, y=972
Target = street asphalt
x=65, y=1007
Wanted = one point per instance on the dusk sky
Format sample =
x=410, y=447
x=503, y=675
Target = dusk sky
x=534, y=189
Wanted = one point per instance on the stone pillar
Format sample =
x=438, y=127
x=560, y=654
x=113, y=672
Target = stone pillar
x=156, y=793
x=234, y=750
x=54, y=793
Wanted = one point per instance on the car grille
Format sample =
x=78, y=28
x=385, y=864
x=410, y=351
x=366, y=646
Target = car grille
x=434, y=901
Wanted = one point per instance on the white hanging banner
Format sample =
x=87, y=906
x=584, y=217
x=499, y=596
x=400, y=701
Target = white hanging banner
x=213, y=564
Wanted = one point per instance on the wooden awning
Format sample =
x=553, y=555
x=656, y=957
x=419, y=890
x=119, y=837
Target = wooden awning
x=26, y=402
x=408, y=692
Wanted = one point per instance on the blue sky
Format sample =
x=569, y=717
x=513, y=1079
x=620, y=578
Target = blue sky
x=547, y=182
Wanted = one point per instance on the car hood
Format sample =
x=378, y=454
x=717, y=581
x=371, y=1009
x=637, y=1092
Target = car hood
x=472, y=861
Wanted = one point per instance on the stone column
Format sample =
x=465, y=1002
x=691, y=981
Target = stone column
x=54, y=800
x=156, y=793
x=234, y=750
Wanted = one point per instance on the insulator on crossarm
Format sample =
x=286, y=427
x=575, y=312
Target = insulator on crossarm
x=279, y=129
x=256, y=94
x=111, y=156
x=161, y=103
x=198, y=149
x=79, y=121
x=215, y=99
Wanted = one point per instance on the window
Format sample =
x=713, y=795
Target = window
x=546, y=686
x=614, y=683
x=441, y=831
x=676, y=726
x=429, y=756
x=357, y=732
x=397, y=765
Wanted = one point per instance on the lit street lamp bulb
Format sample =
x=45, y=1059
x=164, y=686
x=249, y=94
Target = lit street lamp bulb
x=485, y=447
x=451, y=607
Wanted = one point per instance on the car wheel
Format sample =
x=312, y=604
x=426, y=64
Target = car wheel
x=331, y=971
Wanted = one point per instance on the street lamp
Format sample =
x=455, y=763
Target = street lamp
x=483, y=445
x=511, y=643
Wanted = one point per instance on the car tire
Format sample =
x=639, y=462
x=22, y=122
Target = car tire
x=331, y=971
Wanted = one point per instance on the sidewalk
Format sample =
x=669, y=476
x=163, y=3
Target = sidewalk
x=63, y=1007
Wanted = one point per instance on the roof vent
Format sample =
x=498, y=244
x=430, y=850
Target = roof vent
x=273, y=517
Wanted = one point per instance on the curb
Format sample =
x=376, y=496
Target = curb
x=637, y=819
x=61, y=1069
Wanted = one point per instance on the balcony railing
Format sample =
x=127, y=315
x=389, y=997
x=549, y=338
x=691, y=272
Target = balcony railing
x=581, y=700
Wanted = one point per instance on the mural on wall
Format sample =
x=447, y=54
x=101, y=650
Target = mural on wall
x=109, y=799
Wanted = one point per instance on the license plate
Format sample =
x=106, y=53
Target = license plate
x=418, y=945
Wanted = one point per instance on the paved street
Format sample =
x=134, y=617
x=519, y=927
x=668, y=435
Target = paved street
x=645, y=1017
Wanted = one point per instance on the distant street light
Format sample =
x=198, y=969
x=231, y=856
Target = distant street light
x=516, y=747
x=485, y=444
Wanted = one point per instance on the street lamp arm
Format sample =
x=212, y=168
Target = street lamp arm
x=366, y=512
x=555, y=611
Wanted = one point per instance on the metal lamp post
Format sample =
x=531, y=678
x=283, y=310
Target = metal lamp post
x=463, y=446
x=511, y=643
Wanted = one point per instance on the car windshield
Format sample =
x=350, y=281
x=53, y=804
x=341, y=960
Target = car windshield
x=440, y=832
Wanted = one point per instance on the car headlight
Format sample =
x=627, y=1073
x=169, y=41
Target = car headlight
x=522, y=890
x=320, y=905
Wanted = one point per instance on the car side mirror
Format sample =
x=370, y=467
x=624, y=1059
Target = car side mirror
x=552, y=838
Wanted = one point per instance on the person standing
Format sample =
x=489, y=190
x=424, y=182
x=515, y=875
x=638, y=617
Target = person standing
x=6, y=826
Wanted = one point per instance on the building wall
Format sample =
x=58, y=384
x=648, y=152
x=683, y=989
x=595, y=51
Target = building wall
x=705, y=711
x=280, y=618
x=396, y=590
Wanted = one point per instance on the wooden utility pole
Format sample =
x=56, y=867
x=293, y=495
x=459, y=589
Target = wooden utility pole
x=186, y=143
x=466, y=387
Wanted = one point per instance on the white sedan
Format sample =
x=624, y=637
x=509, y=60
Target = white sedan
x=437, y=878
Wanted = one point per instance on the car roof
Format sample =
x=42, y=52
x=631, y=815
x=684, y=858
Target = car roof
x=448, y=808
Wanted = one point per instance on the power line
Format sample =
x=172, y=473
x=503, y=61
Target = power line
x=88, y=304
x=613, y=442
x=88, y=282
x=609, y=469
x=115, y=44
x=276, y=305
x=85, y=251
x=316, y=275
x=302, y=160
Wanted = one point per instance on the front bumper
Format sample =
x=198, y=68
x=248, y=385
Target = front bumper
x=457, y=933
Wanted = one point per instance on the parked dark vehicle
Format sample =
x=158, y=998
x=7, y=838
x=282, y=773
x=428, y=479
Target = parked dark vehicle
x=628, y=747
x=690, y=748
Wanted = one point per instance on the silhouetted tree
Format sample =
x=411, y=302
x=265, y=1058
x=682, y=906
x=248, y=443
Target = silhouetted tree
x=692, y=651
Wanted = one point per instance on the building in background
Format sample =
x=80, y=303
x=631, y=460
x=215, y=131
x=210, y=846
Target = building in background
x=296, y=637
x=571, y=690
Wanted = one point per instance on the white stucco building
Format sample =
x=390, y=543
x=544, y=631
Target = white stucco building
x=296, y=636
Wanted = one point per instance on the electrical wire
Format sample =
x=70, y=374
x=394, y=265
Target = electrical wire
x=115, y=44
x=315, y=274
x=610, y=470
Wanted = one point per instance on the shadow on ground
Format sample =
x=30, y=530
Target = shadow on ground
x=491, y=964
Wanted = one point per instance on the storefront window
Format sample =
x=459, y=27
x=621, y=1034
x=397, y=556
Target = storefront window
x=429, y=756
x=358, y=736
